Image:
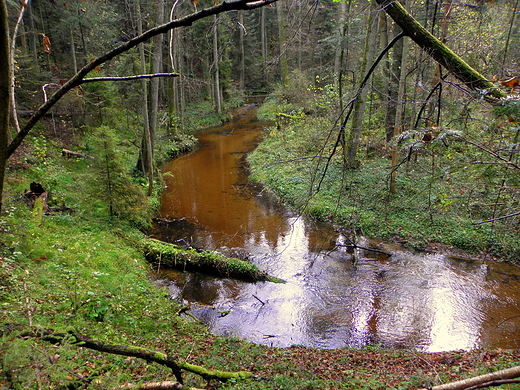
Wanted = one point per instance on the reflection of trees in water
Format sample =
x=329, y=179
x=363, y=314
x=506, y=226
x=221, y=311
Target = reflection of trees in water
x=406, y=300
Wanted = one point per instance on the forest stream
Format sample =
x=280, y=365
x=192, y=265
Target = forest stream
x=422, y=301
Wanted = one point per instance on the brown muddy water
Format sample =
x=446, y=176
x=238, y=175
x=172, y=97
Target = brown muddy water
x=426, y=302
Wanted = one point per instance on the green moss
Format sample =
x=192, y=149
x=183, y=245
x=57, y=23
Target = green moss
x=170, y=255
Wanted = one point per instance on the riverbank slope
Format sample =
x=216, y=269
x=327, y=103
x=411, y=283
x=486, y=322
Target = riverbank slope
x=440, y=201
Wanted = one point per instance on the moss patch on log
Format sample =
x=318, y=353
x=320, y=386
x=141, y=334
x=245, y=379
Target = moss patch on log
x=207, y=262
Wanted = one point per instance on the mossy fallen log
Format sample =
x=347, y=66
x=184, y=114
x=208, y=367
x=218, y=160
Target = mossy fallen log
x=207, y=262
x=175, y=364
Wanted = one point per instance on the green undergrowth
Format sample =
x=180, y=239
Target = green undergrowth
x=440, y=192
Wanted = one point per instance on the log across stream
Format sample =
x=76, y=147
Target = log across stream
x=426, y=302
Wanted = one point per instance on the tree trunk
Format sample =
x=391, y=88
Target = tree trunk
x=339, y=53
x=263, y=37
x=5, y=90
x=216, y=63
x=394, y=74
x=146, y=153
x=282, y=37
x=156, y=68
x=168, y=255
x=73, y=50
x=438, y=51
x=400, y=108
x=242, y=80
x=352, y=141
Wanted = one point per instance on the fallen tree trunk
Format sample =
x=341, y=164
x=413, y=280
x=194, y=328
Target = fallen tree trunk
x=439, y=51
x=70, y=153
x=508, y=373
x=174, y=364
x=208, y=262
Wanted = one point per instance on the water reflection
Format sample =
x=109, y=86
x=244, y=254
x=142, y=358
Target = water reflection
x=423, y=301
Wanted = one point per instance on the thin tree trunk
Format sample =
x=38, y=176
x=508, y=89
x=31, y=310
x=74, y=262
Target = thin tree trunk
x=216, y=64
x=339, y=53
x=400, y=108
x=32, y=36
x=12, y=95
x=352, y=141
x=146, y=155
x=73, y=51
x=508, y=373
x=394, y=74
x=5, y=90
x=509, y=32
x=242, y=80
x=177, y=366
x=156, y=68
x=263, y=36
x=282, y=37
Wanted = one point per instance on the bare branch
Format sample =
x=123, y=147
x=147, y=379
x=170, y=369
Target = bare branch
x=126, y=78
x=492, y=153
x=77, y=79
x=496, y=219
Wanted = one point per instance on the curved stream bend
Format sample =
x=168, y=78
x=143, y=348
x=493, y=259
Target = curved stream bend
x=426, y=302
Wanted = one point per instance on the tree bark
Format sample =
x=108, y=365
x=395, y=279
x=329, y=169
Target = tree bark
x=145, y=163
x=5, y=92
x=216, y=66
x=242, y=79
x=352, y=141
x=440, y=52
x=156, y=68
x=282, y=37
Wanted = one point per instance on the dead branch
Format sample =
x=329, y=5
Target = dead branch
x=77, y=79
x=126, y=78
x=478, y=381
x=175, y=364
x=164, y=385
x=491, y=152
x=496, y=219
x=70, y=153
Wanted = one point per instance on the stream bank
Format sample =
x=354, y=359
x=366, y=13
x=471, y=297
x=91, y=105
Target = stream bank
x=338, y=293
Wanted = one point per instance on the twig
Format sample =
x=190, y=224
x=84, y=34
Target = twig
x=496, y=219
x=355, y=246
x=259, y=300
